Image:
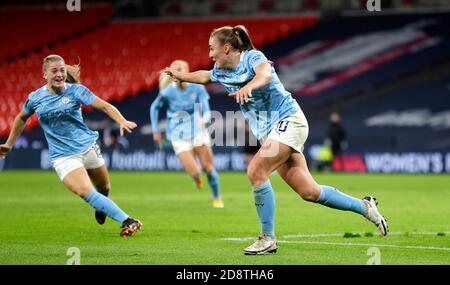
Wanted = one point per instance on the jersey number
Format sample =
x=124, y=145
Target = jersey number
x=97, y=150
x=282, y=126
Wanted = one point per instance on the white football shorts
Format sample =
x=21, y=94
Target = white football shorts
x=89, y=159
x=202, y=138
x=291, y=131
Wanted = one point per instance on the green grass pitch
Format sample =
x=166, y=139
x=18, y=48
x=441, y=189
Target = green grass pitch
x=41, y=220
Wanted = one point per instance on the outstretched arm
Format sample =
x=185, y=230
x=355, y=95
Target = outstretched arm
x=16, y=129
x=200, y=76
x=263, y=75
x=114, y=114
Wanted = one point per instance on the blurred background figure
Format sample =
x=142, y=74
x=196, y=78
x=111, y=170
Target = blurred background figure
x=336, y=141
x=321, y=158
x=187, y=114
x=113, y=141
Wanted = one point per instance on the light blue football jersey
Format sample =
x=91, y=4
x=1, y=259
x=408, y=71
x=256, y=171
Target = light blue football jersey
x=184, y=109
x=61, y=118
x=269, y=104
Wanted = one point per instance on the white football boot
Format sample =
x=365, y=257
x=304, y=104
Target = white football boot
x=374, y=215
x=263, y=245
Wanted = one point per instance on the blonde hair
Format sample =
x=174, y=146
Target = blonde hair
x=50, y=58
x=73, y=71
x=182, y=63
x=236, y=36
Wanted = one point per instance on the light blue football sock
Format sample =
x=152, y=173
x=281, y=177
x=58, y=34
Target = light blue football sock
x=265, y=206
x=333, y=198
x=105, y=205
x=213, y=180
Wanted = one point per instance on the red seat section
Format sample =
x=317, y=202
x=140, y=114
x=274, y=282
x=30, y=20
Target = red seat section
x=27, y=28
x=125, y=58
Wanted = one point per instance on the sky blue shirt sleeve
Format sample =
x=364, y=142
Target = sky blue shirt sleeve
x=255, y=58
x=28, y=106
x=212, y=74
x=85, y=95
x=157, y=104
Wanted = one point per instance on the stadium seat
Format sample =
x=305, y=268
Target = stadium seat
x=125, y=58
x=26, y=27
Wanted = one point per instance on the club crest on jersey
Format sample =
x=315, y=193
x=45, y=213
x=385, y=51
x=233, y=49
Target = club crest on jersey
x=193, y=95
x=65, y=100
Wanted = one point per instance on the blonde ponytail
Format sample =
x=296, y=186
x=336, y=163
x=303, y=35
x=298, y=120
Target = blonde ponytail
x=73, y=73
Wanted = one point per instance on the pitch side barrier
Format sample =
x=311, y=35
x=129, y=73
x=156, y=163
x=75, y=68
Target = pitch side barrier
x=233, y=159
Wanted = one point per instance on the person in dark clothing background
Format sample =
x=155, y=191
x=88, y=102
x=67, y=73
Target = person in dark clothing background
x=337, y=140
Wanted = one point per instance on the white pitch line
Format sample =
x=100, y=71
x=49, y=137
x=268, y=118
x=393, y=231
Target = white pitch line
x=338, y=235
x=362, y=234
x=312, y=235
x=351, y=243
x=368, y=244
